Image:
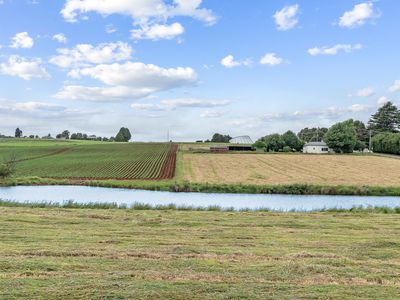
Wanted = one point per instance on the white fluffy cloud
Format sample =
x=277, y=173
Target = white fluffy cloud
x=128, y=80
x=286, y=18
x=382, y=101
x=230, y=62
x=395, y=87
x=101, y=94
x=137, y=74
x=24, y=68
x=365, y=92
x=31, y=106
x=21, y=40
x=60, y=37
x=150, y=15
x=358, y=108
x=211, y=114
x=84, y=54
x=334, y=50
x=172, y=104
x=141, y=11
x=359, y=15
x=271, y=59
x=158, y=31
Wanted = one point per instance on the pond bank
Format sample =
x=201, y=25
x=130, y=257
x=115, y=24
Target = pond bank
x=182, y=186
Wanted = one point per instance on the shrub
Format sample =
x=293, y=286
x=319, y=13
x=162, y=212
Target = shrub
x=6, y=170
x=287, y=149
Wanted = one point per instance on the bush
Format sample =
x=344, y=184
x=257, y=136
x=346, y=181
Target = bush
x=287, y=149
x=386, y=143
x=6, y=170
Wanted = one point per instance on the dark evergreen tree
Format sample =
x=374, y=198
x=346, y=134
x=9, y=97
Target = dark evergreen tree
x=386, y=119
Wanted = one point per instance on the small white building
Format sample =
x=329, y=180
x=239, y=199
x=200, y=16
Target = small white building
x=316, y=148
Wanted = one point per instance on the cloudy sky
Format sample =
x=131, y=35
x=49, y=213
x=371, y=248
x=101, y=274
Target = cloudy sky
x=194, y=67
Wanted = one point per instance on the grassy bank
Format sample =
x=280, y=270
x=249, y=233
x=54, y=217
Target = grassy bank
x=182, y=186
x=167, y=254
x=143, y=206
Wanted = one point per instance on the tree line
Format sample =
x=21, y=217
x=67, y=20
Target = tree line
x=380, y=134
x=123, y=135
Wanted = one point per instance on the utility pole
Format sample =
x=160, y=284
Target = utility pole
x=370, y=140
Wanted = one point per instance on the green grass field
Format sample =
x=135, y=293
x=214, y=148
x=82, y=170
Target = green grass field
x=91, y=160
x=129, y=254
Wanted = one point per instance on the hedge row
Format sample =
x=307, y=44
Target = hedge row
x=386, y=143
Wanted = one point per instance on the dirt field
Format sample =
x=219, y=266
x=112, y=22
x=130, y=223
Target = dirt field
x=291, y=169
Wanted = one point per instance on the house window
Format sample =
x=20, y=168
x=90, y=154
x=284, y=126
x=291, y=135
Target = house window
x=325, y=149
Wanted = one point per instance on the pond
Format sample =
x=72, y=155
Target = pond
x=84, y=194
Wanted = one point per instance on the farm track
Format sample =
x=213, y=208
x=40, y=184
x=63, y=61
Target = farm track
x=168, y=169
x=60, y=151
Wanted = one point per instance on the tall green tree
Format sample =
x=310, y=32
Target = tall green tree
x=315, y=134
x=18, y=133
x=362, y=133
x=65, y=134
x=220, y=138
x=342, y=137
x=124, y=135
x=274, y=142
x=291, y=140
x=386, y=119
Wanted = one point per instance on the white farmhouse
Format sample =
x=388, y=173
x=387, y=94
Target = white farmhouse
x=316, y=148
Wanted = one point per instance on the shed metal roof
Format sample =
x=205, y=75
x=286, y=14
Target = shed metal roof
x=322, y=144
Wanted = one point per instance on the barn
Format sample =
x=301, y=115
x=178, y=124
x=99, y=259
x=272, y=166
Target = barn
x=316, y=148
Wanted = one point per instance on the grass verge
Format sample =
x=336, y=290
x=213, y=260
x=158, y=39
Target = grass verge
x=167, y=254
x=143, y=206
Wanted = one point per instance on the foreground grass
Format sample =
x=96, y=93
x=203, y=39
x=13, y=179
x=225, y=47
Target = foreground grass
x=167, y=254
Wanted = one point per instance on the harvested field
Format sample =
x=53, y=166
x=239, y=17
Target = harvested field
x=126, y=254
x=357, y=170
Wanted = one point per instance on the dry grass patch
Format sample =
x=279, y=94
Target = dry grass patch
x=354, y=170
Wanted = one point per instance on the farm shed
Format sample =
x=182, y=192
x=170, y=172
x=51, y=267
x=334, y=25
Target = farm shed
x=244, y=139
x=219, y=149
x=316, y=148
x=241, y=148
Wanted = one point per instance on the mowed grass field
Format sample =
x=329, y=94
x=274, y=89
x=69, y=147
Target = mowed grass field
x=90, y=160
x=128, y=254
x=275, y=169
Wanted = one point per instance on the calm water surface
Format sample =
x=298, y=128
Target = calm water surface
x=83, y=194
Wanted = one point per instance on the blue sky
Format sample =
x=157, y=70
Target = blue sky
x=194, y=67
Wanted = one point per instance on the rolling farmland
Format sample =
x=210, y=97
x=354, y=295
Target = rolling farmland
x=80, y=160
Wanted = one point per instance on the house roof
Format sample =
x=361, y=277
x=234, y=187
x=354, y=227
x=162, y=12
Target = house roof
x=322, y=144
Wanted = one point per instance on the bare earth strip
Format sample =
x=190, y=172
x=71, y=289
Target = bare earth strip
x=292, y=169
